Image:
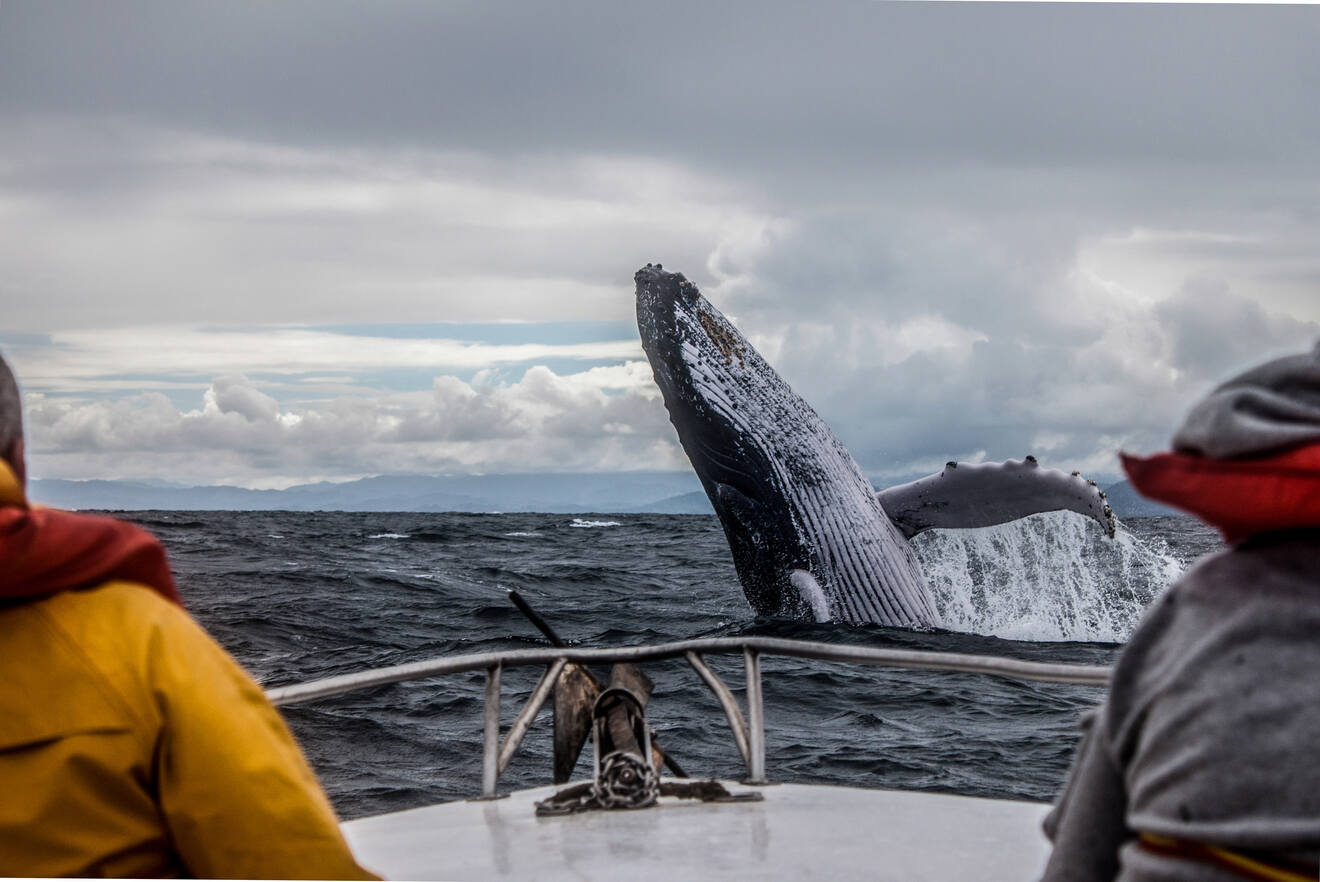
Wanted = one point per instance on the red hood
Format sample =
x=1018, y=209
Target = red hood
x=1240, y=497
x=45, y=551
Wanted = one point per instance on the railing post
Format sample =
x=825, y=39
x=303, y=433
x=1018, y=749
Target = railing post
x=529, y=712
x=730, y=704
x=755, y=719
x=490, y=756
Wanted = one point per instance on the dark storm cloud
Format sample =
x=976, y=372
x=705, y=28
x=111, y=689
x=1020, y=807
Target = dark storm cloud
x=806, y=85
x=896, y=262
x=1071, y=400
x=1215, y=333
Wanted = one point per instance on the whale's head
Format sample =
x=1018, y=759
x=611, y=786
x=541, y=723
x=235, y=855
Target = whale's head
x=729, y=408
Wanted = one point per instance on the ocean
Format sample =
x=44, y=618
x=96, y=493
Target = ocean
x=298, y=596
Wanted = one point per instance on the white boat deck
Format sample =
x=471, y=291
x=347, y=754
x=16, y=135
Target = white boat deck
x=798, y=832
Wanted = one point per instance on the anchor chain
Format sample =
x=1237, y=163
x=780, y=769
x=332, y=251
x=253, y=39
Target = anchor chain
x=626, y=782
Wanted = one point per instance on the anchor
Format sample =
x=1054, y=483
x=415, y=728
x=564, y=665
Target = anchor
x=626, y=758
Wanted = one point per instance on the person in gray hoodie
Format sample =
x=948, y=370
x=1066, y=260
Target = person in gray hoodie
x=1202, y=764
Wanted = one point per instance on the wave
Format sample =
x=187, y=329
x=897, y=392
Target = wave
x=162, y=520
x=390, y=536
x=579, y=522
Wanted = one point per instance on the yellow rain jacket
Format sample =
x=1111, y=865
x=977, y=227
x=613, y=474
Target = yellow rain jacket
x=131, y=744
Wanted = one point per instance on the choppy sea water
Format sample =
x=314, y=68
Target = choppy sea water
x=299, y=596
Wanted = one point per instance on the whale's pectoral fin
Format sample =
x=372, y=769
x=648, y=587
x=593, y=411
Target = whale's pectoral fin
x=813, y=596
x=984, y=494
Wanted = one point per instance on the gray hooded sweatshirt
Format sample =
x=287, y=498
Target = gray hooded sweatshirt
x=1211, y=730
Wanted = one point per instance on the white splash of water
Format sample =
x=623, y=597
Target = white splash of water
x=1048, y=577
x=390, y=536
x=579, y=522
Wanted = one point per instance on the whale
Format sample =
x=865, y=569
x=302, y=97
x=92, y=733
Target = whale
x=811, y=538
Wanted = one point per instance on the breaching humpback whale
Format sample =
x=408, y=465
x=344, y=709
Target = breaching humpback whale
x=810, y=536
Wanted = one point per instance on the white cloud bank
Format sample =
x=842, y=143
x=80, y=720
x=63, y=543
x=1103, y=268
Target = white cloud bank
x=603, y=419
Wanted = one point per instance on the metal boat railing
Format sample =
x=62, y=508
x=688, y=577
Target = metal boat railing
x=748, y=733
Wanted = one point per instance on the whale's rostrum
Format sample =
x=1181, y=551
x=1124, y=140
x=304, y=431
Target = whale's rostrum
x=810, y=537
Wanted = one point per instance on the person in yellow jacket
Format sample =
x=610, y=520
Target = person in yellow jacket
x=131, y=744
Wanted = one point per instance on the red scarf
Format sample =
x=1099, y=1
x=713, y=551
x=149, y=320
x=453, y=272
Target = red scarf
x=45, y=551
x=1240, y=497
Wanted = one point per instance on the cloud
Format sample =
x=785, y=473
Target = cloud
x=938, y=343
x=1214, y=332
x=739, y=85
x=959, y=230
x=606, y=419
x=234, y=395
x=109, y=224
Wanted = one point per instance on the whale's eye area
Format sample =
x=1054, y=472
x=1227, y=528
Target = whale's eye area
x=723, y=339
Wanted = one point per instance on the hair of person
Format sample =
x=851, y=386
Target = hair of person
x=11, y=409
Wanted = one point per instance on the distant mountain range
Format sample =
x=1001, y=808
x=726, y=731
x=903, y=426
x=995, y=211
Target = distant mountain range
x=623, y=492
x=620, y=492
x=1126, y=503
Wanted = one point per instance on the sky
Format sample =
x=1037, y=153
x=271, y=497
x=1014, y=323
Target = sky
x=271, y=243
